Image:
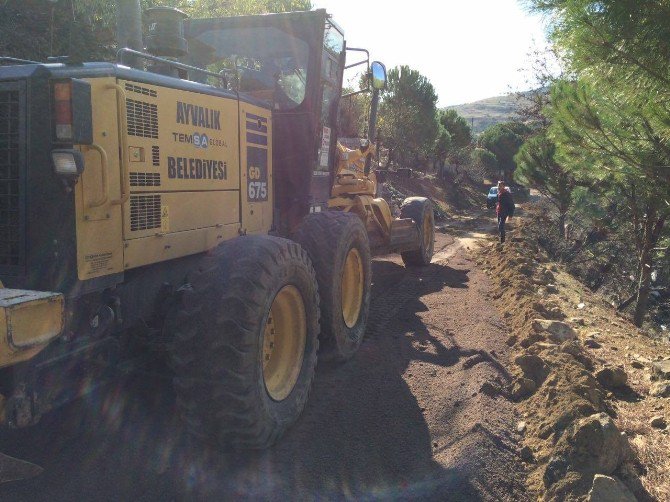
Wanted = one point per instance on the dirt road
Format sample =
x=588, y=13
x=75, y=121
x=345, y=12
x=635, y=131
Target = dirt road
x=408, y=417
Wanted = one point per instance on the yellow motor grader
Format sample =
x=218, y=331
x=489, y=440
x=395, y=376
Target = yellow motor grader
x=191, y=199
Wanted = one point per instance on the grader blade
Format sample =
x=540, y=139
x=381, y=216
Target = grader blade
x=404, y=235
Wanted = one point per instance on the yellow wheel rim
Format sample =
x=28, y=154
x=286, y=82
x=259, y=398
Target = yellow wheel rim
x=284, y=341
x=427, y=231
x=352, y=287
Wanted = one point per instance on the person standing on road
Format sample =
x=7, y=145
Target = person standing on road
x=504, y=208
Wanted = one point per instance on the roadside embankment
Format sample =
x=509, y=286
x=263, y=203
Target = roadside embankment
x=592, y=390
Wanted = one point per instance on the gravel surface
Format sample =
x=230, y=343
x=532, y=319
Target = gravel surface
x=409, y=416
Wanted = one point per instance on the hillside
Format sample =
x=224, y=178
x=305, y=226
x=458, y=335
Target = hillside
x=487, y=112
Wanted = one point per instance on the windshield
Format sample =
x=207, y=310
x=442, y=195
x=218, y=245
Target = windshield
x=265, y=62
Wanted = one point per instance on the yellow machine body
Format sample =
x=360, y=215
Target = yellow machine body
x=354, y=190
x=171, y=172
x=193, y=170
x=125, y=179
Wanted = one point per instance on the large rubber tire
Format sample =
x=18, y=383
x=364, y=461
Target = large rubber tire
x=218, y=353
x=420, y=210
x=330, y=238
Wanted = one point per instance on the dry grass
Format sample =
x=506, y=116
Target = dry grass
x=651, y=447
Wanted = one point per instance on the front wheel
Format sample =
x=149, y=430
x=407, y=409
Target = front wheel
x=245, y=342
x=420, y=210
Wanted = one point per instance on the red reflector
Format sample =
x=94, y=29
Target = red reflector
x=63, y=110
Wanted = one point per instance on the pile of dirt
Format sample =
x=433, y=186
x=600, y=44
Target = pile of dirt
x=448, y=195
x=580, y=380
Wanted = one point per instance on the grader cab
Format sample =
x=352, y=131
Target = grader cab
x=201, y=206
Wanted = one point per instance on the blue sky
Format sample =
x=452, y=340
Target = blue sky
x=469, y=50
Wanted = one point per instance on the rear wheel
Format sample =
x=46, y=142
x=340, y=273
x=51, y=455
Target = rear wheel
x=420, y=210
x=337, y=243
x=245, y=342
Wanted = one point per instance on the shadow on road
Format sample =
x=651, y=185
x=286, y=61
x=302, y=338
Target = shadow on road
x=362, y=434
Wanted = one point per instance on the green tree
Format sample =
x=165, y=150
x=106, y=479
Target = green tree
x=354, y=110
x=443, y=145
x=538, y=168
x=408, y=112
x=617, y=44
x=36, y=29
x=353, y=114
x=458, y=128
x=504, y=140
x=617, y=112
x=86, y=29
x=486, y=162
x=217, y=8
x=610, y=141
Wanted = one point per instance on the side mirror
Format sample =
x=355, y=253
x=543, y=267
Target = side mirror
x=378, y=72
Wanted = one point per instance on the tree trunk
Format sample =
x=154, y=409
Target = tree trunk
x=644, y=286
x=652, y=228
x=389, y=158
x=561, y=225
x=563, y=208
x=604, y=270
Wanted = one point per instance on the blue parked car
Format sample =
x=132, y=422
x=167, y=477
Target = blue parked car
x=492, y=197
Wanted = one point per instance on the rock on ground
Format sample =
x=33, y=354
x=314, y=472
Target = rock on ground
x=594, y=444
x=591, y=343
x=658, y=422
x=526, y=454
x=551, y=288
x=660, y=389
x=575, y=350
x=556, y=331
x=471, y=361
x=661, y=369
x=612, y=377
x=523, y=387
x=609, y=489
x=533, y=367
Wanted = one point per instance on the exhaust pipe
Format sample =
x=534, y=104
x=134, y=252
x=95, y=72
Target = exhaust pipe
x=129, y=29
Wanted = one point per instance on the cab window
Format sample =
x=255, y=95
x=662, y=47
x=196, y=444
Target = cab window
x=333, y=45
x=266, y=62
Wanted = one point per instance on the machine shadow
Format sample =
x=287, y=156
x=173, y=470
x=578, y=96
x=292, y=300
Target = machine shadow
x=362, y=434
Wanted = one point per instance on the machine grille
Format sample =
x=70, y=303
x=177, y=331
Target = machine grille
x=142, y=119
x=141, y=90
x=10, y=202
x=145, y=179
x=156, y=156
x=145, y=212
